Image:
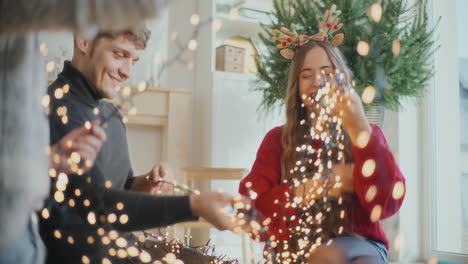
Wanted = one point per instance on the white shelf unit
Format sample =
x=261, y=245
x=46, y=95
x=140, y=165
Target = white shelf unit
x=228, y=127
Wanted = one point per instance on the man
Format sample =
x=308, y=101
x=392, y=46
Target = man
x=24, y=180
x=97, y=68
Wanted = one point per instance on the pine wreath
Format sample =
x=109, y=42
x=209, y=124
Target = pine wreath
x=394, y=77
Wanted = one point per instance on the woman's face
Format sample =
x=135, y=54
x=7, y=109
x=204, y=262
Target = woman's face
x=317, y=64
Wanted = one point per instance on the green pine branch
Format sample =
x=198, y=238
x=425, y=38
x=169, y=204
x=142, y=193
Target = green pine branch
x=395, y=77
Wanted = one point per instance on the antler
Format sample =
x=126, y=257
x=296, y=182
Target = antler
x=287, y=38
x=328, y=24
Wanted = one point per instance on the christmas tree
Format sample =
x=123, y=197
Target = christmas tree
x=397, y=62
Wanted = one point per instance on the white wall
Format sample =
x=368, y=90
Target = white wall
x=462, y=39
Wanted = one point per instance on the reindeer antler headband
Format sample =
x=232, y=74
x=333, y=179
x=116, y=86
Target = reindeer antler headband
x=290, y=41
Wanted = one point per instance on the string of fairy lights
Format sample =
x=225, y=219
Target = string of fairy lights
x=100, y=217
x=314, y=167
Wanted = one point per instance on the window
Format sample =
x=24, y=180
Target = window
x=448, y=123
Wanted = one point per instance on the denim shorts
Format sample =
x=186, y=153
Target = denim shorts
x=356, y=247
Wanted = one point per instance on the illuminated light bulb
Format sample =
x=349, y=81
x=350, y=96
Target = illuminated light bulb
x=119, y=206
x=85, y=260
x=398, y=190
x=90, y=240
x=368, y=95
x=121, y=242
x=363, y=139
x=133, y=251
x=96, y=111
x=105, y=240
x=141, y=86
x=170, y=258
x=193, y=44
x=50, y=66
x=106, y=261
x=126, y=91
x=371, y=193
x=70, y=240
x=121, y=253
x=376, y=213
x=396, y=47
x=57, y=234
x=86, y=203
x=75, y=157
x=43, y=49
x=363, y=48
x=124, y=119
x=195, y=19
x=375, y=12
x=100, y=231
x=45, y=213
x=123, y=219
x=66, y=88
x=58, y=93
x=368, y=168
x=111, y=218
x=113, y=235
x=91, y=218
x=399, y=242
x=45, y=100
x=64, y=120
x=87, y=125
x=59, y=197
x=108, y=184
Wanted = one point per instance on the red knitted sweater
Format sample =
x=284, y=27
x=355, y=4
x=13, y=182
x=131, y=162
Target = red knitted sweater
x=266, y=173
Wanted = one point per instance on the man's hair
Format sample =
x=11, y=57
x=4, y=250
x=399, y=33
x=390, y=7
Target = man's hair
x=138, y=35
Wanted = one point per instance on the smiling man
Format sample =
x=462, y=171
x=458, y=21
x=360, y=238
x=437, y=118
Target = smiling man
x=78, y=223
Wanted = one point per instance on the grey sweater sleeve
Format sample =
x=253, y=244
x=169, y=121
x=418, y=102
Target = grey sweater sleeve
x=76, y=15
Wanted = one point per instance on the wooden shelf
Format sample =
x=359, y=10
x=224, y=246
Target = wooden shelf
x=238, y=26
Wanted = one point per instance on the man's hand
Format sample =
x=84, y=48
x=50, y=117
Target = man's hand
x=154, y=181
x=210, y=206
x=76, y=152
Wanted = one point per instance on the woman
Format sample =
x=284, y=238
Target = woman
x=373, y=185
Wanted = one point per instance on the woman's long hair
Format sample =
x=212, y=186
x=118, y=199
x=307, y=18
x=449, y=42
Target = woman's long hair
x=293, y=131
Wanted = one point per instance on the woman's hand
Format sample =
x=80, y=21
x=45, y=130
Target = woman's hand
x=342, y=183
x=351, y=112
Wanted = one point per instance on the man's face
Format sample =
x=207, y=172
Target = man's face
x=111, y=62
